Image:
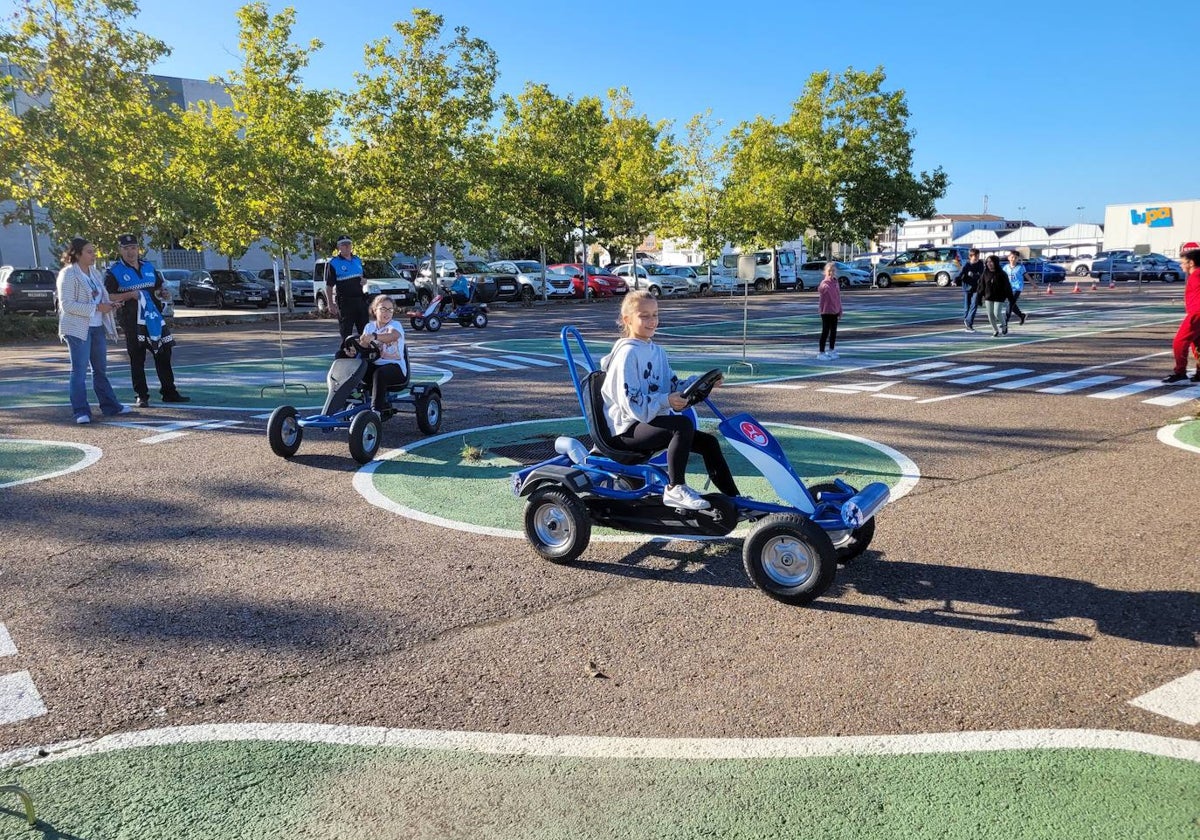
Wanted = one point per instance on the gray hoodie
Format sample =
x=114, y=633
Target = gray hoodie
x=638, y=382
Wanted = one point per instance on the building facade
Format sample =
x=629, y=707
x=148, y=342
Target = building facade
x=1162, y=227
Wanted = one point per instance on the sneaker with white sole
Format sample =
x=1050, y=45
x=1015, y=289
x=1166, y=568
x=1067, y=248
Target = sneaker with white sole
x=83, y=419
x=823, y=357
x=833, y=354
x=682, y=496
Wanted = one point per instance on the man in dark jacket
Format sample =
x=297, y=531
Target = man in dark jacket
x=968, y=278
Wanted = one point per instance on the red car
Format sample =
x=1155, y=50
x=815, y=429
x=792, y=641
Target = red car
x=601, y=281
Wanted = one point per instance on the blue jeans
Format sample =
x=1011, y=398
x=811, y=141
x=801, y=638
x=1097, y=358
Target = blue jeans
x=969, y=306
x=91, y=351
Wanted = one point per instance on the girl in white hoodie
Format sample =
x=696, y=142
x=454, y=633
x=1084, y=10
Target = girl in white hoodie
x=641, y=396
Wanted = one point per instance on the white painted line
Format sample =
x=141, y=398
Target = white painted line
x=1181, y=395
x=780, y=386
x=1126, y=390
x=1167, y=435
x=596, y=746
x=537, y=362
x=91, y=455
x=219, y=424
x=466, y=365
x=838, y=390
x=956, y=396
x=1178, y=699
x=266, y=416
x=986, y=377
x=164, y=437
x=500, y=363
x=1036, y=380
x=952, y=372
x=868, y=386
x=1079, y=384
x=915, y=368
x=893, y=396
x=19, y=698
x=7, y=647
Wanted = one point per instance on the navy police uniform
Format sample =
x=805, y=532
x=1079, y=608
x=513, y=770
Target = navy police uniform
x=344, y=278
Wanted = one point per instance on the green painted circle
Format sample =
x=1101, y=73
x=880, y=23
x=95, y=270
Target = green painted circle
x=23, y=461
x=463, y=479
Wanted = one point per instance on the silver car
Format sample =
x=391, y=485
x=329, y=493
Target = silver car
x=654, y=278
x=810, y=274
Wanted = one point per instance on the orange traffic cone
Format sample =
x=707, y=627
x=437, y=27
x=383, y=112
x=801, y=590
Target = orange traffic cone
x=1075, y=291
x=1049, y=290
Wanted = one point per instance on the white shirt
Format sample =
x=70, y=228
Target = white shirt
x=389, y=354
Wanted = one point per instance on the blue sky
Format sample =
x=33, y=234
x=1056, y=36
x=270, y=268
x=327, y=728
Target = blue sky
x=1048, y=106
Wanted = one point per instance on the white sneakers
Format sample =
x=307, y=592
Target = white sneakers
x=83, y=419
x=682, y=496
x=828, y=357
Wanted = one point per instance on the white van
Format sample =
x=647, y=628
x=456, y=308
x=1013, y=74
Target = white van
x=772, y=269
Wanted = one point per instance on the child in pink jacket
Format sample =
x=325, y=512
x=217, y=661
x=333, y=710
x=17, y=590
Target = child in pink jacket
x=830, y=307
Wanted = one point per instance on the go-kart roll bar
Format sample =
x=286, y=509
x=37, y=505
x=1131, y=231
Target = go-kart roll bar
x=567, y=334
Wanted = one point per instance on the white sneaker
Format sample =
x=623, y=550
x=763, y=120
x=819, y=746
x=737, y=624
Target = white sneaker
x=83, y=419
x=833, y=354
x=682, y=496
x=823, y=357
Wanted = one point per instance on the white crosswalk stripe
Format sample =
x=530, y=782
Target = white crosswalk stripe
x=1035, y=380
x=19, y=698
x=956, y=371
x=1079, y=384
x=987, y=377
x=1180, y=396
x=1127, y=390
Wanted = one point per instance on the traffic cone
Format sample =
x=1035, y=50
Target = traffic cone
x=1075, y=291
x=1049, y=290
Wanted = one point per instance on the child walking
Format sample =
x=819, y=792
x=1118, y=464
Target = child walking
x=829, y=304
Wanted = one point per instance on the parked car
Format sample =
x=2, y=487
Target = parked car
x=653, y=278
x=381, y=279
x=810, y=273
x=28, y=289
x=699, y=281
x=1082, y=267
x=1136, y=267
x=529, y=276
x=600, y=281
x=303, y=291
x=173, y=279
x=506, y=284
x=1039, y=271
x=221, y=287
x=445, y=269
x=918, y=264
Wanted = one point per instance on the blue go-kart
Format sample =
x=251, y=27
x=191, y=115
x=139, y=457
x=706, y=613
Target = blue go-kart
x=466, y=302
x=348, y=406
x=792, y=550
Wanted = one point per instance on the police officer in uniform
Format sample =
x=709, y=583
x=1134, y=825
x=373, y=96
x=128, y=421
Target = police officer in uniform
x=347, y=297
x=139, y=288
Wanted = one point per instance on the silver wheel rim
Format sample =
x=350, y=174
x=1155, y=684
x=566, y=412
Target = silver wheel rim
x=432, y=412
x=553, y=526
x=788, y=560
x=289, y=431
x=370, y=437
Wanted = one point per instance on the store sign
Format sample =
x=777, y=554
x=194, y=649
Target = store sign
x=1153, y=217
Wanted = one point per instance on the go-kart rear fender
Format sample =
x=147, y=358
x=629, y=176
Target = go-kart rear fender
x=567, y=476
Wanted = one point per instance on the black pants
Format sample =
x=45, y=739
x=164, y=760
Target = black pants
x=352, y=315
x=828, y=331
x=676, y=434
x=137, y=365
x=382, y=378
x=1013, y=309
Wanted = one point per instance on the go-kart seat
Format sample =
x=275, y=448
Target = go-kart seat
x=597, y=422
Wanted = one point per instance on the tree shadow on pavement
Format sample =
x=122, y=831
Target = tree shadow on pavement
x=1013, y=602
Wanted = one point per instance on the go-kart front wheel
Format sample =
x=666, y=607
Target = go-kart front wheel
x=429, y=412
x=417, y=322
x=480, y=319
x=284, y=432
x=847, y=544
x=789, y=558
x=433, y=323
x=557, y=524
x=365, y=431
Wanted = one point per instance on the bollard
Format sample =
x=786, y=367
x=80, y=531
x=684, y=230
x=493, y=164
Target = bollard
x=26, y=800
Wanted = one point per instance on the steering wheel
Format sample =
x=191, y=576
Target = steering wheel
x=701, y=387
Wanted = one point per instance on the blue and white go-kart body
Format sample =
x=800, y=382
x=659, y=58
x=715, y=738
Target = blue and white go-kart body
x=791, y=552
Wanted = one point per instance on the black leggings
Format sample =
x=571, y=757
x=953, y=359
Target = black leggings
x=677, y=434
x=828, y=330
x=384, y=377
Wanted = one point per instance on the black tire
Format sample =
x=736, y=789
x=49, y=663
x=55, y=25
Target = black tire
x=705, y=290
x=424, y=298
x=417, y=322
x=433, y=323
x=187, y=300
x=1081, y=271
x=283, y=432
x=760, y=285
x=799, y=285
x=844, y=282
x=527, y=295
x=464, y=322
x=1169, y=277
x=322, y=305
x=480, y=320
x=557, y=524
x=883, y=281
x=942, y=279
x=654, y=292
x=365, y=431
x=429, y=412
x=220, y=301
x=789, y=558
x=847, y=544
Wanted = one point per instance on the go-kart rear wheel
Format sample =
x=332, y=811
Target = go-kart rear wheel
x=284, y=432
x=789, y=558
x=365, y=431
x=480, y=319
x=429, y=412
x=557, y=524
x=433, y=323
x=417, y=322
x=847, y=544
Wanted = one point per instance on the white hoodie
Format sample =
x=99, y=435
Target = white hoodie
x=638, y=382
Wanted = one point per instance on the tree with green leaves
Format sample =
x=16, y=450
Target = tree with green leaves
x=693, y=209
x=264, y=159
x=418, y=136
x=81, y=135
x=635, y=174
x=541, y=169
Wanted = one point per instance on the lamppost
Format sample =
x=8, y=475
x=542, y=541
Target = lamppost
x=1080, y=210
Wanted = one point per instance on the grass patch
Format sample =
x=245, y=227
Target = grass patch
x=18, y=329
x=470, y=452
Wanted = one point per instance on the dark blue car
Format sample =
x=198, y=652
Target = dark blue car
x=1039, y=271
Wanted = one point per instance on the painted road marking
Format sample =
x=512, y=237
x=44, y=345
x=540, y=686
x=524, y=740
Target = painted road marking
x=955, y=396
x=780, y=386
x=1180, y=396
x=7, y=648
x=1126, y=390
x=1035, y=380
x=536, y=362
x=913, y=369
x=985, y=377
x=500, y=363
x=19, y=698
x=91, y=455
x=893, y=396
x=458, y=363
x=1178, y=699
x=1079, y=384
x=955, y=371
